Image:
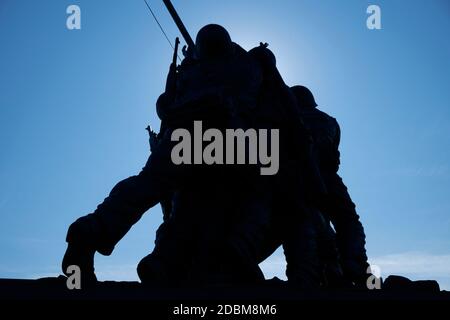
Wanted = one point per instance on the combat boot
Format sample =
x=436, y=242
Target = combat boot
x=80, y=252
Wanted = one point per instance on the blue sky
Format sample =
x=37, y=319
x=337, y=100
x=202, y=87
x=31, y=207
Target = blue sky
x=74, y=105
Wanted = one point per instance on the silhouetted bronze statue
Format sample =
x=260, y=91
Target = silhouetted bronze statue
x=221, y=221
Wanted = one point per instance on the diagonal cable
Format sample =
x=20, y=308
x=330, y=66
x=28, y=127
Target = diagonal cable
x=160, y=26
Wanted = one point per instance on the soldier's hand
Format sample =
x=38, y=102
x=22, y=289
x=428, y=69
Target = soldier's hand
x=153, y=139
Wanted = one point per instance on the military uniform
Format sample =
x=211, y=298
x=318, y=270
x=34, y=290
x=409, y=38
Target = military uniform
x=336, y=205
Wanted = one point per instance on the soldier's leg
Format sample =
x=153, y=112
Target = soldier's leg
x=300, y=244
x=170, y=261
x=350, y=236
x=102, y=229
x=127, y=202
x=251, y=233
x=212, y=211
x=328, y=253
x=175, y=245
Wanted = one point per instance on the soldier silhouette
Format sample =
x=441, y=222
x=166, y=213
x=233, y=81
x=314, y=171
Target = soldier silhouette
x=336, y=205
x=294, y=222
x=218, y=221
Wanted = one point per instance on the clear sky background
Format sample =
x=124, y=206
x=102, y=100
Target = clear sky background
x=74, y=105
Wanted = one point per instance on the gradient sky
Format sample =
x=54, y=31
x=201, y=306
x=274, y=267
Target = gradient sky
x=74, y=105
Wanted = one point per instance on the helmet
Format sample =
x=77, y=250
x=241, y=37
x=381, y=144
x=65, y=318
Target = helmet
x=304, y=97
x=263, y=54
x=213, y=41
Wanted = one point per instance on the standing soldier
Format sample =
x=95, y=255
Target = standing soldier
x=336, y=204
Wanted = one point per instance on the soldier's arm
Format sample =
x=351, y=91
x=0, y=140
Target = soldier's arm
x=163, y=105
